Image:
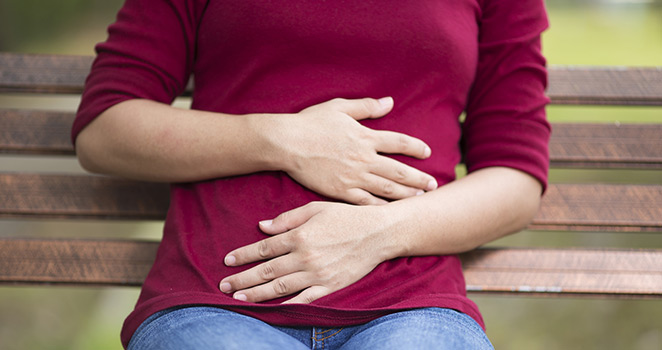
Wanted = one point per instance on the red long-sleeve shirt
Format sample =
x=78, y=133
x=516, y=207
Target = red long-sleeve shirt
x=435, y=58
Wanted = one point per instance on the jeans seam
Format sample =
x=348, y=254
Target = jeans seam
x=321, y=340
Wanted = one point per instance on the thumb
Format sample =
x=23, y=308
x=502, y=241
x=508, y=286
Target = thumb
x=289, y=220
x=367, y=108
x=358, y=109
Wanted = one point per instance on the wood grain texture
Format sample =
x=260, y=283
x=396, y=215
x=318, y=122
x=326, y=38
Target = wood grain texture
x=100, y=262
x=567, y=85
x=528, y=271
x=631, y=146
x=583, y=207
x=35, y=132
x=601, y=207
x=30, y=73
x=80, y=196
x=605, y=85
x=634, y=273
x=606, y=146
x=48, y=74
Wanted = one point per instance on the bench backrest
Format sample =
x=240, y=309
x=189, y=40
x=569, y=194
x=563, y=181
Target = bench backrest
x=566, y=207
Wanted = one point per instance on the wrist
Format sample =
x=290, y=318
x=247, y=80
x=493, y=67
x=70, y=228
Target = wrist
x=393, y=241
x=268, y=135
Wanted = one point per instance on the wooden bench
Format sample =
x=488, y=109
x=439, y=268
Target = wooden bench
x=612, y=208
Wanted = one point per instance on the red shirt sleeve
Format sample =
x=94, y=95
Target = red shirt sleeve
x=148, y=55
x=505, y=121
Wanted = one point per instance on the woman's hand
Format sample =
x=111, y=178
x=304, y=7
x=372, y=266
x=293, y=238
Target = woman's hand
x=327, y=150
x=315, y=249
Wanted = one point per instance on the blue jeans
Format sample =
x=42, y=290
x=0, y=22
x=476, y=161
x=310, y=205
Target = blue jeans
x=215, y=328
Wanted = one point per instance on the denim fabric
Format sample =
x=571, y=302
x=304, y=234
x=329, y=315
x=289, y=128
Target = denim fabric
x=213, y=328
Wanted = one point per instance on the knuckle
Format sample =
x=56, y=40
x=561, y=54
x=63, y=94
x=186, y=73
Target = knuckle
x=388, y=188
x=323, y=275
x=266, y=271
x=309, y=298
x=281, y=288
x=263, y=249
x=298, y=237
x=367, y=105
x=363, y=200
x=310, y=261
x=401, y=174
x=403, y=142
x=284, y=216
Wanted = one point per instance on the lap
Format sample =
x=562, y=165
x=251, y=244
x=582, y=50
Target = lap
x=215, y=328
x=430, y=328
x=208, y=328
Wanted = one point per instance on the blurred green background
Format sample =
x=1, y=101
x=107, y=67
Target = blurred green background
x=598, y=32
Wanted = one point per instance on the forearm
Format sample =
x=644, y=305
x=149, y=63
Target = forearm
x=151, y=141
x=323, y=147
x=323, y=246
x=462, y=215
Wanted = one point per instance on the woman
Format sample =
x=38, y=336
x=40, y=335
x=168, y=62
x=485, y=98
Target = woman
x=307, y=209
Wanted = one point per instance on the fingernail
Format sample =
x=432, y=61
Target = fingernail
x=432, y=185
x=240, y=296
x=226, y=287
x=230, y=260
x=266, y=222
x=427, y=152
x=420, y=192
x=386, y=102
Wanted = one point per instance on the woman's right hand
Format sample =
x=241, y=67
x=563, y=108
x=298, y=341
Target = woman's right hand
x=327, y=150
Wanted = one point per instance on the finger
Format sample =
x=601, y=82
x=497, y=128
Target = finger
x=392, y=142
x=277, y=288
x=362, y=197
x=387, y=188
x=261, y=250
x=309, y=295
x=391, y=169
x=290, y=219
x=361, y=108
x=262, y=273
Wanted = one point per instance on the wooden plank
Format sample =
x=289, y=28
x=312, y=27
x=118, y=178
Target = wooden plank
x=634, y=146
x=32, y=73
x=567, y=85
x=606, y=146
x=605, y=85
x=80, y=196
x=601, y=207
x=35, y=132
x=50, y=74
x=100, y=262
x=626, y=273
x=528, y=271
x=583, y=207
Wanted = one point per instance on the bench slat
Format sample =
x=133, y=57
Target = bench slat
x=29, y=73
x=556, y=271
x=35, y=132
x=572, y=145
x=567, y=85
x=601, y=207
x=81, y=196
x=530, y=271
x=605, y=85
x=606, y=146
x=583, y=207
x=101, y=262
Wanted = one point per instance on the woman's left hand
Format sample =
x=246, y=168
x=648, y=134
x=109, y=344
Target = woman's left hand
x=315, y=249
